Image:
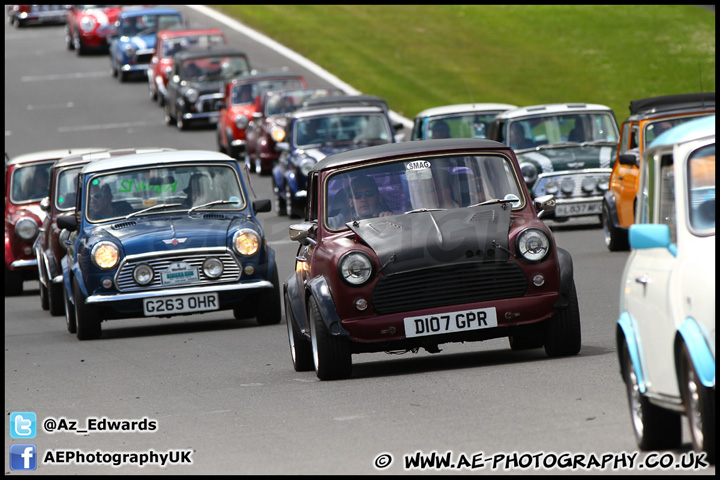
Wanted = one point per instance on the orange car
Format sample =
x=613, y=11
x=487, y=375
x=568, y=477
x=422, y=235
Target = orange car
x=648, y=118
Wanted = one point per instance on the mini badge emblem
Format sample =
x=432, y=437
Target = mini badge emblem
x=174, y=241
x=576, y=164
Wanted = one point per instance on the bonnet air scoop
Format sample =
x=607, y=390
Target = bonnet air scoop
x=433, y=238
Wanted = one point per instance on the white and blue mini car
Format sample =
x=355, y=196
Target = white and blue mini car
x=666, y=329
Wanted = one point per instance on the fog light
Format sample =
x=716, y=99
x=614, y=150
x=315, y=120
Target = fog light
x=538, y=280
x=107, y=283
x=212, y=267
x=567, y=185
x=27, y=250
x=589, y=184
x=249, y=270
x=361, y=304
x=551, y=187
x=143, y=274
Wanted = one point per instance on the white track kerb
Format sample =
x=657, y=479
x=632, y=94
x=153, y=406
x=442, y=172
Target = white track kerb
x=293, y=56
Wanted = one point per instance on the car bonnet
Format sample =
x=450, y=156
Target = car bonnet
x=433, y=238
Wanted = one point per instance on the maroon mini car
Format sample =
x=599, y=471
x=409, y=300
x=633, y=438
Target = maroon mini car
x=414, y=244
x=49, y=246
x=26, y=184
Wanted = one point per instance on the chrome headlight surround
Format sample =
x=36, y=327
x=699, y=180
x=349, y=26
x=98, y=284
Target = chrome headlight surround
x=306, y=165
x=26, y=228
x=105, y=255
x=143, y=274
x=355, y=268
x=87, y=23
x=246, y=242
x=212, y=267
x=130, y=50
x=529, y=172
x=241, y=121
x=533, y=245
x=192, y=95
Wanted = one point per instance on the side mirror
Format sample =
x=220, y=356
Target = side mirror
x=302, y=232
x=282, y=147
x=45, y=204
x=68, y=222
x=544, y=204
x=263, y=205
x=629, y=159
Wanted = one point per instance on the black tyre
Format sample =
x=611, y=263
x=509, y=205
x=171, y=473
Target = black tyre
x=69, y=314
x=44, y=303
x=699, y=402
x=300, y=349
x=289, y=202
x=169, y=119
x=55, y=302
x=331, y=353
x=562, y=331
x=86, y=318
x=279, y=201
x=78, y=45
x=69, y=39
x=655, y=428
x=269, y=307
x=616, y=239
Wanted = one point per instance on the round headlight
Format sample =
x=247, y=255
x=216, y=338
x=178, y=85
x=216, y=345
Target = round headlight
x=529, y=172
x=192, y=95
x=241, y=121
x=130, y=50
x=355, y=268
x=246, y=242
x=589, y=184
x=306, y=166
x=212, y=267
x=105, y=255
x=567, y=185
x=26, y=228
x=551, y=187
x=533, y=244
x=87, y=24
x=278, y=134
x=63, y=237
x=143, y=274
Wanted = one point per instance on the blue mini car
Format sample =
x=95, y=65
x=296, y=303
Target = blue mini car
x=132, y=44
x=165, y=234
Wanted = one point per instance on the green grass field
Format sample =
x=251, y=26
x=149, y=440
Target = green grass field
x=421, y=56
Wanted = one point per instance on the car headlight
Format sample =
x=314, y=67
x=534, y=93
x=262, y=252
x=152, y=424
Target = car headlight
x=130, y=50
x=533, y=245
x=355, y=268
x=306, y=166
x=246, y=242
x=105, y=255
x=192, y=95
x=26, y=228
x=143, y=274
x=241, y=121
x=529, y=172
x=87, y=24
x=277, y=134
x=212, y=267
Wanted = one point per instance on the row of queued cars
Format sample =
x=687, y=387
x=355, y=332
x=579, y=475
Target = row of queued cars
x=403, y=245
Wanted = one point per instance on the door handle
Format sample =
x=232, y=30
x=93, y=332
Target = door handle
x=643, y=279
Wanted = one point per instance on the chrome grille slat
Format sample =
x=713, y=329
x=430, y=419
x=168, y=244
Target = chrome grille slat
x=125, y=282
x=448, y=285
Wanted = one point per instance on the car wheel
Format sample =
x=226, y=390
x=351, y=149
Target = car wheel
x=153, y=94
x=86, y=319
x=44, y=304
x=279, y=201
x=616, y=240
x=300, y=349
x=113, y=69
x=55, y=294
x=655, y=428
x=122, y=75
x=180, y=123
x=562, y=331
x=161, y=99
x=17, y=22
x=289, y=202
x=270, y=310
x=69, y=39
x=69, y=314
x=78, y=45
x=169, y=120
x=218, y=139
x=13, y=283
x=699, y=402
x=258, y=167
x=331, y=353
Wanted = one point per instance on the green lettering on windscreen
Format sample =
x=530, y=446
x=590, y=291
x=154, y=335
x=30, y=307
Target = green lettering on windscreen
x=127, y=186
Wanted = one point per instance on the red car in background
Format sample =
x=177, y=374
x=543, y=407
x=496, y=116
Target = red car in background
x=27, y=182
x=21, y=15
x=241, y=100
x=171, y=41
x=87, y=27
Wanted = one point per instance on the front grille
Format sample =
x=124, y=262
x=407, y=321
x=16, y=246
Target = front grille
x=448, y=285
x=600, y=177
x=125, y=282
x=143, y=59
